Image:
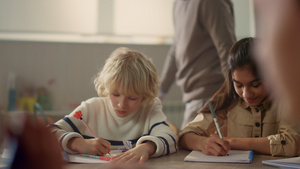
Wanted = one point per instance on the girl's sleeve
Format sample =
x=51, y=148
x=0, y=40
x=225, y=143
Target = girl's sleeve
x=67, y=128
x=159, y=132
x=287, y=141
x=200, y=125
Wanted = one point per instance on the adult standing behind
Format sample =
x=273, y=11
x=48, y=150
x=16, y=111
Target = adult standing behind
x=204, y=33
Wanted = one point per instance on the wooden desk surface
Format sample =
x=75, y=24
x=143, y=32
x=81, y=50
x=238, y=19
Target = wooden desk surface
x=175, y=161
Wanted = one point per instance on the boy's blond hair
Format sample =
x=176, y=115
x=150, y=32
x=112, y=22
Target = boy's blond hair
x=131, y=71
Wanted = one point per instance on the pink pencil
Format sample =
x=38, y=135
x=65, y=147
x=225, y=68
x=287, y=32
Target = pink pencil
x=78, y=115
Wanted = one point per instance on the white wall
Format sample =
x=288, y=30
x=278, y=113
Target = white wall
x=143, y=17
x=117, y=17
x=64, y=16
x=244, y=18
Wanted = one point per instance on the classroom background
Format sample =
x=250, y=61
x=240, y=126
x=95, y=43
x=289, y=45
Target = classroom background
x=52, y=49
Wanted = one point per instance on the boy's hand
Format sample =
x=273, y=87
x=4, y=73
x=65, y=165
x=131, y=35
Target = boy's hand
x=97, y=146
x=139, y=154
x=214, y=145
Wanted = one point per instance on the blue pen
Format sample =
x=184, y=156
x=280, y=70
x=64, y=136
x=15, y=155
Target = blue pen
x=215, y=119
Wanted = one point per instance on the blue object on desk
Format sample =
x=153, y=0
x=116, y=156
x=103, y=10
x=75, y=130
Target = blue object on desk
x=251, y=156
x=91, y=156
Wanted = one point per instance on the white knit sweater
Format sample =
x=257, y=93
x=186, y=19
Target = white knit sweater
x=146, y=124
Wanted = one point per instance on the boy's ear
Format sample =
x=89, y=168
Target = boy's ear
x=144, y=100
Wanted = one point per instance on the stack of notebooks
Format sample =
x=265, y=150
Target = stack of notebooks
x=287, y=163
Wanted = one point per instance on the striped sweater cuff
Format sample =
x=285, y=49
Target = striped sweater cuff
x=160, y=146
x=66, y=138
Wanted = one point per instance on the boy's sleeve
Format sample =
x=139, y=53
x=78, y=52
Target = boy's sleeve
x=67, y=128
x=160, y=133
x=64, y=135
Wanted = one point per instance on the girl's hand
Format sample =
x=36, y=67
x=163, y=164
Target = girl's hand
x=97, y=146
x=214, y=145
x=139, y=154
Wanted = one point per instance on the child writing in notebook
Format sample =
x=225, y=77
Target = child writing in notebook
x=251, y=119
x=126, y=109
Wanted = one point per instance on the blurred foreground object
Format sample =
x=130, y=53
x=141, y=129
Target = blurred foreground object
x=34, y=146
x=278, y=49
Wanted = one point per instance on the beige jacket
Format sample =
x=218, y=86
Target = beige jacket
x=245, y=121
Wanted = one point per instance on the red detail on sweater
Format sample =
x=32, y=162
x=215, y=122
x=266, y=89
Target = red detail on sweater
x=78, y=115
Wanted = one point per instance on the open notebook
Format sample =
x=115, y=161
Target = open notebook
x=234, y=156
x=284, y=163
x=76, y=158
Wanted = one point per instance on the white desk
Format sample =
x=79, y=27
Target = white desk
x=175, y=161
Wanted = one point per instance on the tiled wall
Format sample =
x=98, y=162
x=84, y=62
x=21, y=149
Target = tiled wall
x=65, y=69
